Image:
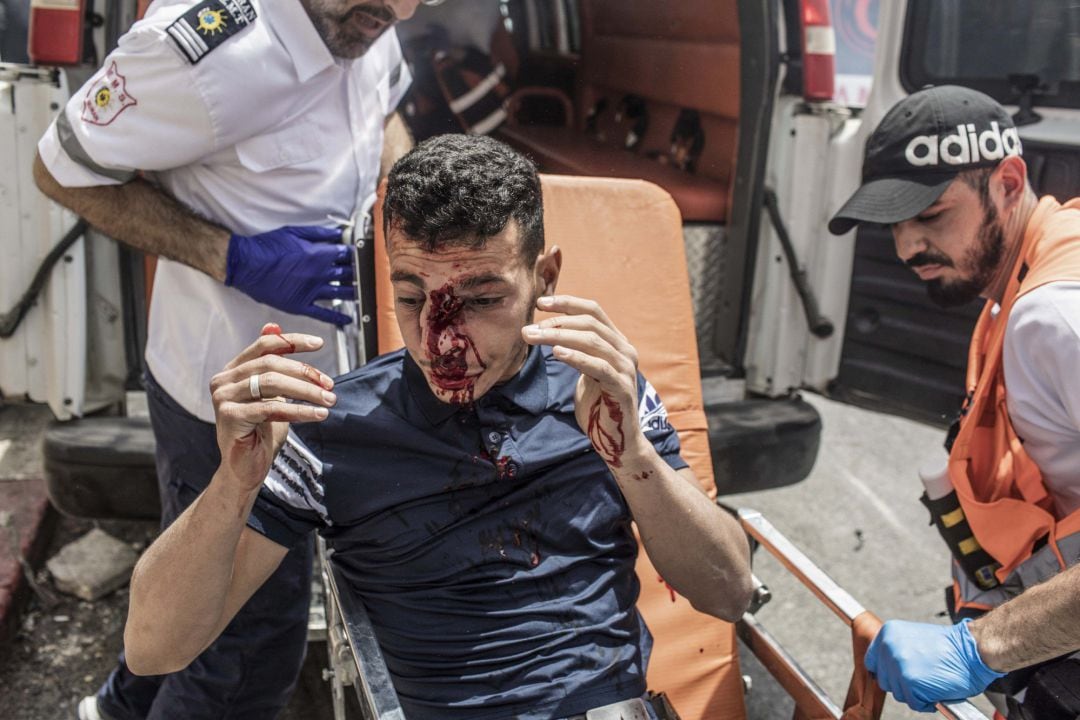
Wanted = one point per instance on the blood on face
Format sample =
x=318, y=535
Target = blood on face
x=449, y=346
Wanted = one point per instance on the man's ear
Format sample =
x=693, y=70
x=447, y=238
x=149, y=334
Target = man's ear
x=1011, y=177
x=546, y=270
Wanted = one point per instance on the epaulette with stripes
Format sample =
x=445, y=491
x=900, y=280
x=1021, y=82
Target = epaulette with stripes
x=207, y=25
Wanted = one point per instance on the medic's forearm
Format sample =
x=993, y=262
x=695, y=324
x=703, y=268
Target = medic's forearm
x=1041, y=624
x=180, y=587
x=700, y=550
x=397, y=140
x=144, y=217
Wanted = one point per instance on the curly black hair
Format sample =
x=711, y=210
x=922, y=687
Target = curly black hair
x=461, y=190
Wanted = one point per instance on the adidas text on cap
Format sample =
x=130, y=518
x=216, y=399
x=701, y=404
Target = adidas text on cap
x=920, y=146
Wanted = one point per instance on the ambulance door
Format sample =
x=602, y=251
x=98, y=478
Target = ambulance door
x=900, y=352
x=799, y=293
x=64, y=306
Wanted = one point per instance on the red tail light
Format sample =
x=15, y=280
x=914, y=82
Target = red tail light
x=56, y=32
x=819, y=51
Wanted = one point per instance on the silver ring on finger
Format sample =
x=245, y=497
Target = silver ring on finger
x=253, y=387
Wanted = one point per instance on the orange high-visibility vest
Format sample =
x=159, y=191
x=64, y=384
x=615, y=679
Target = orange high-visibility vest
x=1000, y=488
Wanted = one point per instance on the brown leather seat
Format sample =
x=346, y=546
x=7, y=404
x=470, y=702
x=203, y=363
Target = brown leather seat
x=622, y=245
x=555, y=150
x=676, y=57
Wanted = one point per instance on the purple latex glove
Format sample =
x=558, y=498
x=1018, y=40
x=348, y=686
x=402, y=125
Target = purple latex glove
x=292, y=267
x=922, y=664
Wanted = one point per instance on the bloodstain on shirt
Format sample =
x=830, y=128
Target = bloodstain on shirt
x=609, y=443
x=505, y=468
x=449, y=347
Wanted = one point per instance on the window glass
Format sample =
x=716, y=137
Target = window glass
x=574, y=19
x=991, y=45
x=855, y=24
x=553, y=25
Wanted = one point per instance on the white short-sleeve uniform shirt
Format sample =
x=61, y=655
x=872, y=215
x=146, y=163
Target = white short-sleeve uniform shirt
x=1042, y=385
x=238, y=109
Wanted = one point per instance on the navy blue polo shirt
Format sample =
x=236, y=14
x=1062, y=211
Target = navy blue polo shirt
x=491, y=546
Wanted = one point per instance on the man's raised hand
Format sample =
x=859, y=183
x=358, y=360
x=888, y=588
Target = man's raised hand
x=606, y=398
x=251, y=401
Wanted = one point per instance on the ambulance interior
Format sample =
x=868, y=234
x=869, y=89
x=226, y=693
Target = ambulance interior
x=606, y=88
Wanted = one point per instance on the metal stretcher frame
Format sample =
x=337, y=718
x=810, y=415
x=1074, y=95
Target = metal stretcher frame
x=354, y=654
x=865, y=698
x=356, y=659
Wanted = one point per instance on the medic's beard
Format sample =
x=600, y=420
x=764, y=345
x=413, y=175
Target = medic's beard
x=984, y=259
x=344, y=35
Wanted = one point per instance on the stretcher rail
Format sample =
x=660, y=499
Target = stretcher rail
x=864, y=699
x=355, y=657
x=369, y=674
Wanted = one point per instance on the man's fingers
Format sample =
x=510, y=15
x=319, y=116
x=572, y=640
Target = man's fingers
x=921, y=705
x=269, y=367
x=327, y=315
x=870, y=658
x=316, y=233
x=336, y=292
x=275, y=385
x=343, y=274
x=345, y=256
x=591, y=324
x=272, y=343
x=255, y=414
x=572, y=305
x=588, y=365
x=585, y=342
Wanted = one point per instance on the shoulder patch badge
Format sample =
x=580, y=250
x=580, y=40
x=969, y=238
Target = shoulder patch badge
x=106, y=97
x=209, y=24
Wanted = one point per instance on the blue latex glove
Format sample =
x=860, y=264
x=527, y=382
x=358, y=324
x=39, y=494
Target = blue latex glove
x=923, y=664
x=292, y=267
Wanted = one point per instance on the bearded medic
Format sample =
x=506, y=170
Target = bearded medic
x=945, y=171
x=224, y=137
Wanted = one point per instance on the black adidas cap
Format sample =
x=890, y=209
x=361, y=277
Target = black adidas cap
x=919, y=147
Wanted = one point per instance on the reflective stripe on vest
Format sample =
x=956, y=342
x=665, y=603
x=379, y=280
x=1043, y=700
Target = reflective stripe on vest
x=1040, y=567
x=999, y=486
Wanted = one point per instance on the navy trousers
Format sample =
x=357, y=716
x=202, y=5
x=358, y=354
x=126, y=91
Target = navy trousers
x=250, y=671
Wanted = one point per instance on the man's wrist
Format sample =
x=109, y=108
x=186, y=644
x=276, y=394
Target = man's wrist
x=233, y=491
x=220, y=268
x=990, y=650
x=638, y=456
